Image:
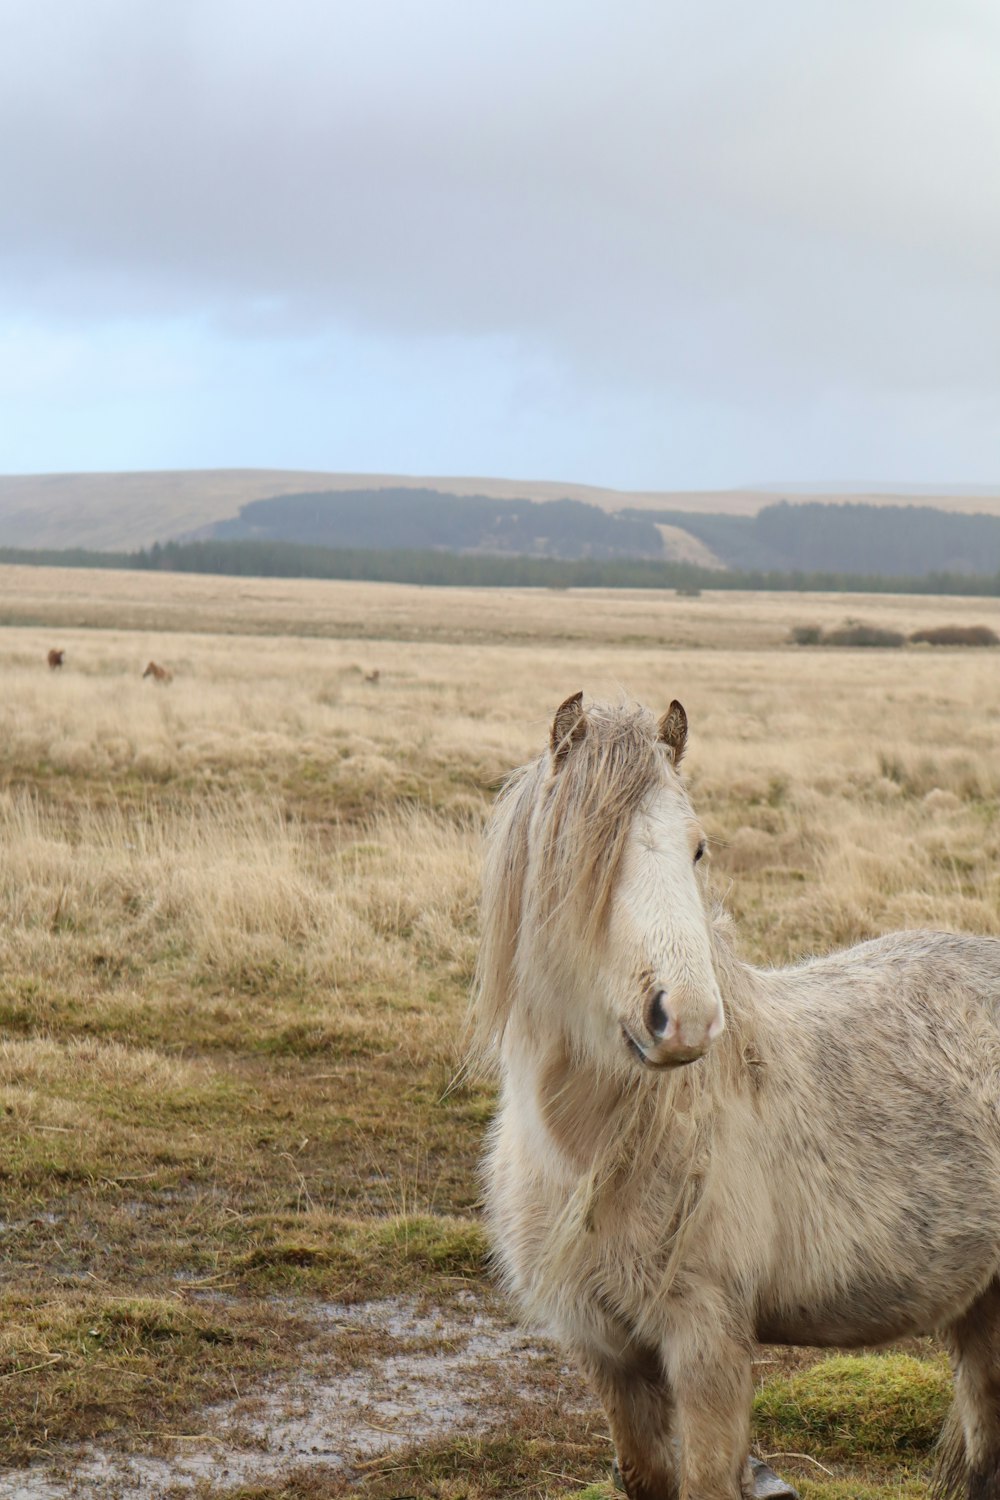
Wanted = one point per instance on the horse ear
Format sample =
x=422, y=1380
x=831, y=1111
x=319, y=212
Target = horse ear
x=673, y=729
x=568, y=726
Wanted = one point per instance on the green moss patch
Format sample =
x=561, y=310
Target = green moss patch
x=360, y=1258
x=856, y=1407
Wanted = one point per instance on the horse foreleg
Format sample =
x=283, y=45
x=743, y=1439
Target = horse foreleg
x=713, y=1389
x=633, y=1389
x=969, y=1465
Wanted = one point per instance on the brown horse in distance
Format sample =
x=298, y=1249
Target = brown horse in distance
x=158, y=673
x=55, y=659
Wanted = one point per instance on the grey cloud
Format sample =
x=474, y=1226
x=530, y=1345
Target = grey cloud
x=740, y=198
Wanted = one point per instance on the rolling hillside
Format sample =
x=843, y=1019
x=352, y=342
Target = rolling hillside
x=850, y=538
x=852, y=532
x=118, y=512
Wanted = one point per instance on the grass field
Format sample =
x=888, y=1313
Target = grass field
x=237, y=929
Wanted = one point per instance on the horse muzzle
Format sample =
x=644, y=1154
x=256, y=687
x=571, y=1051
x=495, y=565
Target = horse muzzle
x=675, y=1041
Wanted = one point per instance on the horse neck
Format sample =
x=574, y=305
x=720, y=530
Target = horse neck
x=609, y=1120
x=584, y=1105
x=740, y=985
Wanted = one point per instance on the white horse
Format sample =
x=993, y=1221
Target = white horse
x=691, y=1154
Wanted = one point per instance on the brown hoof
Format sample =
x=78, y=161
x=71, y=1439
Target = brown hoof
x=767, y=1485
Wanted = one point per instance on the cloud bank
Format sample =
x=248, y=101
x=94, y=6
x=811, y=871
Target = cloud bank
x=660, y=243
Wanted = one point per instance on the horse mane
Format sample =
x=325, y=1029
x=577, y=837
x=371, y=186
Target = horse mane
x=554, y=849
x=555, y=844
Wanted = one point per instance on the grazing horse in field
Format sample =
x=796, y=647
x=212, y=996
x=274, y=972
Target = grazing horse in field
x=692, y=1154
x=55, y=659
x=158, y=674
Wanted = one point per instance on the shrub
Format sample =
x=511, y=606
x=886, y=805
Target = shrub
x=805, y=635
x=855, y=633
x=957, y=635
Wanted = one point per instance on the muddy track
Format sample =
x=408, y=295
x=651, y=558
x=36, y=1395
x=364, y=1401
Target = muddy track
x=377, y=1376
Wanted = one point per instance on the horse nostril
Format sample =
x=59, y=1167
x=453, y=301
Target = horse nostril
x=657, y=1018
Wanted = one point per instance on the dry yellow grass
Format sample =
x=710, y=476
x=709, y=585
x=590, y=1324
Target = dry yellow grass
x=237, y=914
x=154, y=607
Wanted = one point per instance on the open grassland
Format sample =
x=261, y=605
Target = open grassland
x=237, y=929
x=151, y=606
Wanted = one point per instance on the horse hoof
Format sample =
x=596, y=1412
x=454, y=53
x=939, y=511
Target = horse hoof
x=767, y=1485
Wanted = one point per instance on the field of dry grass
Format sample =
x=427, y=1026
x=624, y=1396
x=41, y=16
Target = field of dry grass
x=237, y=928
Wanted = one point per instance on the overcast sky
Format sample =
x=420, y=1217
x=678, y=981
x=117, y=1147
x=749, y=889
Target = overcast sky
x=648, y=243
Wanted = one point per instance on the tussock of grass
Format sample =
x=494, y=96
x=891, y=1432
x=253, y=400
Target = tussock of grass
x=312, y=1483
x=82, y=1367
x=530, y=1459
x=881, y=1406
x=861, y=1489
x=362, y=1258
x=451, y=1245
x=139, y=1322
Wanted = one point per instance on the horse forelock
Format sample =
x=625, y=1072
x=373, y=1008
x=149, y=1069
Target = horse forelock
x=555, y=845
x=583, y=824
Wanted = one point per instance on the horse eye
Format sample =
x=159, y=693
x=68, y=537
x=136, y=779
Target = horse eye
x=700, y=851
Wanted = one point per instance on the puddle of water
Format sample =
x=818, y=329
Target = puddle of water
x=441, y=1378
x=9, y=1225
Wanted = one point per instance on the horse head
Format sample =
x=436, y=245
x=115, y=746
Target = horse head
x=606, y=911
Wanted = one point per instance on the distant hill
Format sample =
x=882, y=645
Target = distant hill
x=895, y=541
x=120, y=512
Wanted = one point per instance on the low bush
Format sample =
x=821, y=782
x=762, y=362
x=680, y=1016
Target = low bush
x=855, y=633
x=956, y=635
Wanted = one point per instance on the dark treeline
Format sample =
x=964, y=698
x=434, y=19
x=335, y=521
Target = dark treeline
x=290, y=560
x=904, y=541
x=424, y=520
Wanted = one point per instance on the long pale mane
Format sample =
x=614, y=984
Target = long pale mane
x=554, y=848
